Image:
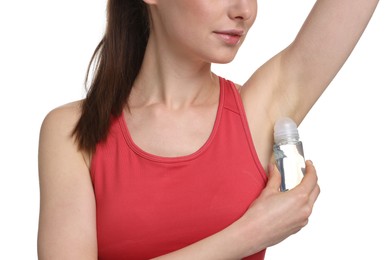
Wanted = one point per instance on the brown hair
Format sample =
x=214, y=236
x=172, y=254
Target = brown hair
x=118, y=58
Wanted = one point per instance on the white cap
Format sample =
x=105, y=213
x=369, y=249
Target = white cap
x=285, y=129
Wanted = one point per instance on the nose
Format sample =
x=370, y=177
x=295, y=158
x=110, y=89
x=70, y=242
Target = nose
x=242, y=9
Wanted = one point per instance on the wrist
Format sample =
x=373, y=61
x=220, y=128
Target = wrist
x=250, y=235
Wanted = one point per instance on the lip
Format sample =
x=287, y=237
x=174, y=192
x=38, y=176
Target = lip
x=230, y=37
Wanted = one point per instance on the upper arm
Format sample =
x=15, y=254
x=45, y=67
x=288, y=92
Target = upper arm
x=291, y=82
x=324, y=43
x=67, y=226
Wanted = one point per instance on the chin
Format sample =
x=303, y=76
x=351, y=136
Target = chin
x=222, y=61
x=224, y=57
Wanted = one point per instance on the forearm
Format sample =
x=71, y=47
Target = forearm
x=231, y=243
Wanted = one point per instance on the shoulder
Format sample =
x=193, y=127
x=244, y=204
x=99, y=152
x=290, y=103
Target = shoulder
x=63, y=117
x=57, y=128
x=59, y=122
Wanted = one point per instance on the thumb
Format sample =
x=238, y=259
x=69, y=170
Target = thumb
x=274, y=178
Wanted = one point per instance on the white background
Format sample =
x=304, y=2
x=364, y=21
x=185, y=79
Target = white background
x=45, y=47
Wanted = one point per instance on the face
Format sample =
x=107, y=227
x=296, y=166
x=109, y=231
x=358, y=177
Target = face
x=209, y=30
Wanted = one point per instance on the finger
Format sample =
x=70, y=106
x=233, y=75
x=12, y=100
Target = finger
x=274, y=179
x=309, y=181
x=314, y=195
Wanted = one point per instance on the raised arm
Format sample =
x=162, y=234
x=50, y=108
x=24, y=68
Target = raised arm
x=324, y=43
x=291, y=82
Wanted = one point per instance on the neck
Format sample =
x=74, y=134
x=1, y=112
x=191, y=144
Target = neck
x=172, y=79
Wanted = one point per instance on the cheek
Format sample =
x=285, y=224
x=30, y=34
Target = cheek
x=254, y=15
x=202, y=11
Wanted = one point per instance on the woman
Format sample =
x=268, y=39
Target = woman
x=166, y=159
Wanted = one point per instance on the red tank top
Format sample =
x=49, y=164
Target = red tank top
x=148, y=205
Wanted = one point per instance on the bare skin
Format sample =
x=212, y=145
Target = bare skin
x=175, y=83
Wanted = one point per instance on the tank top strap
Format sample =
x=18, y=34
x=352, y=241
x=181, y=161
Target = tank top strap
x=230, y=100
x=233, y=102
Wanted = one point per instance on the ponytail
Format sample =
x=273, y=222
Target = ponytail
x=118, y=58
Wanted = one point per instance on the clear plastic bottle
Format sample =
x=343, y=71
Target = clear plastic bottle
x=288, y=153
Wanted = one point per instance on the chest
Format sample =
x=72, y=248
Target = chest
x=148, y=205
x=147, y=210
x=171, y=133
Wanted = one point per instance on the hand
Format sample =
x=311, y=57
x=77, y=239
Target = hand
x=277, y=215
